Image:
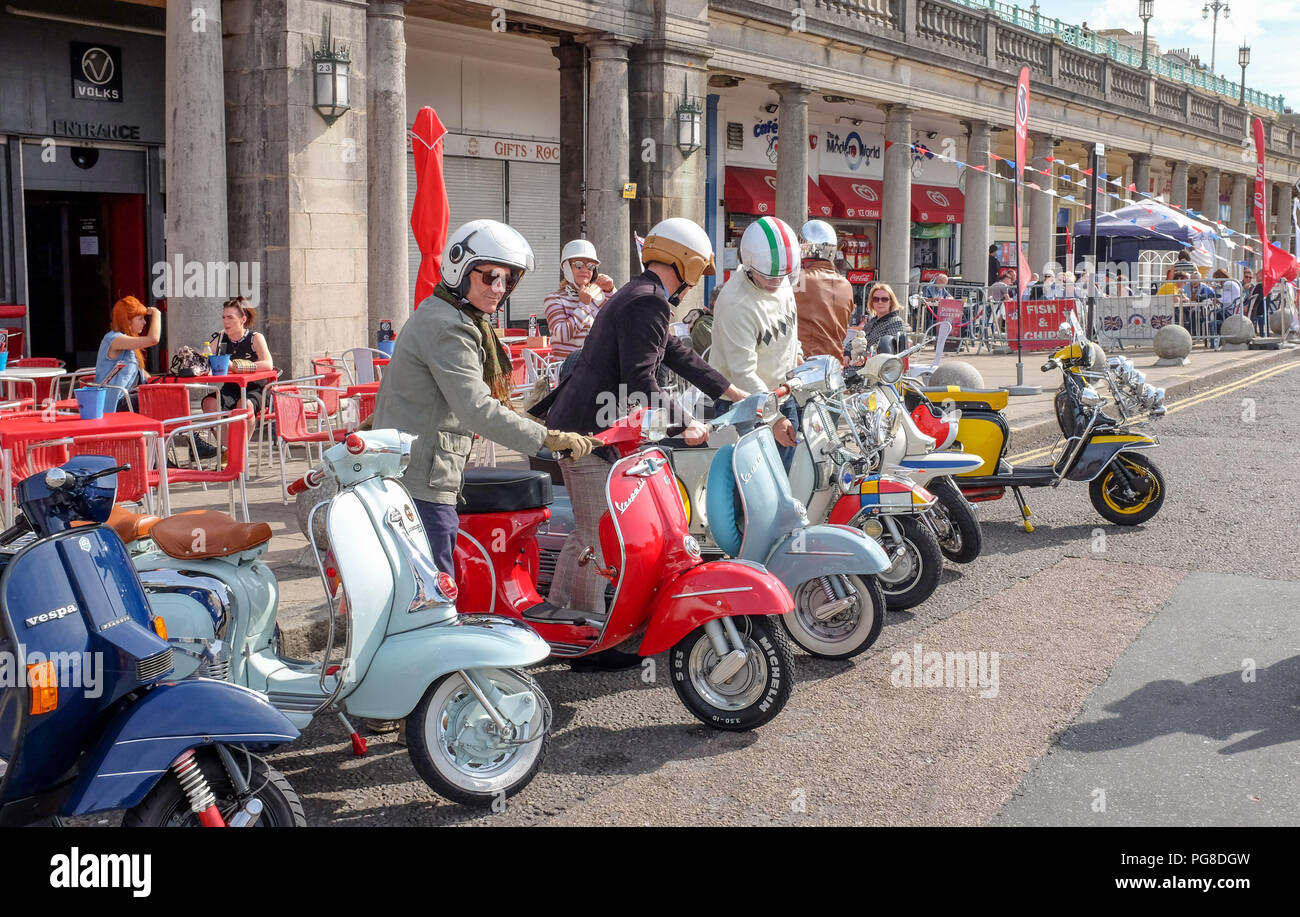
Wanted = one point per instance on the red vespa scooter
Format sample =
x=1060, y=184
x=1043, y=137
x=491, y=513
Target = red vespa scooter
x=732, y=665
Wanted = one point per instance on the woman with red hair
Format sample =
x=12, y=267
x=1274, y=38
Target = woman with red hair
x=121, y=353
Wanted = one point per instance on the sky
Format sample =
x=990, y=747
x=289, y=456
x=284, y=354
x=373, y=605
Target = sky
x=1270, y=27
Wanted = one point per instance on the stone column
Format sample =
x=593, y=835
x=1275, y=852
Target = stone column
x=571, y=56
x=609, y=225
x=1042, y=221
x=1284, y=227
x=1210, y=194
x=1178, y=191
x=975, y=233
x=1240, y=205
x=196, y=167
x=792, y=154
x=388, y=213
x=1142, y=172
x=896, y=222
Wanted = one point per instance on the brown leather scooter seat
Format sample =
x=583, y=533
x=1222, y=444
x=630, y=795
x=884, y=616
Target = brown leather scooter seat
x=179, y=536
x=131, y=526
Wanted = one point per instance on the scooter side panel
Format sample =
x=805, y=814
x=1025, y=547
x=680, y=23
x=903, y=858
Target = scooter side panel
x=1101, y=449
x=938, y=464
x=415, y=659
x=984, y=434
x=368, y=574
x=764, y=492
x=139, y=744
x=822, y=550
x=717, y=589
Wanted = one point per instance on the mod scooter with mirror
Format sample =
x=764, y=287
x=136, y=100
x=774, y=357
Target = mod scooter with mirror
x=476, y=725
x=732, y=665
x=96, y=723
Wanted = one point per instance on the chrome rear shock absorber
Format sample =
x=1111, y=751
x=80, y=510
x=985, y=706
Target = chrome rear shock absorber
x=203, y=802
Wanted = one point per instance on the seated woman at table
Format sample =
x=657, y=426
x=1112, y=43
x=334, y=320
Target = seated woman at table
x=571, y=310
x=247, y=351
x=124, y=345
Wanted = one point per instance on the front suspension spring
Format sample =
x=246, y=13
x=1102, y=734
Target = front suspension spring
x=195, y=785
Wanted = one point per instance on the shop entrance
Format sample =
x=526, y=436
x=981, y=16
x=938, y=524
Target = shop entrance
x=84, y=252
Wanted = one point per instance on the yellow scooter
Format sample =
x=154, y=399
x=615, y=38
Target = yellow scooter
x=1125, y=486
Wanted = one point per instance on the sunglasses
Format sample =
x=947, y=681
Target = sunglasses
x=880, y=299
x=584, y=265
x=491, y=278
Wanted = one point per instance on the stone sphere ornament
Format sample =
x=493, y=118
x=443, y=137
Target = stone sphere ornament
x=1279, y=323
x=958, y=373
x=1237, y=329
x=1172, y=342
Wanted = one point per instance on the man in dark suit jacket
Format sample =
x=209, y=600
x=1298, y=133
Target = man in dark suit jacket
x=995, y=266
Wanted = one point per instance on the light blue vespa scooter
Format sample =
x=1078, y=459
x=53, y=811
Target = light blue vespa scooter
x=751, y=514
x=476, y=725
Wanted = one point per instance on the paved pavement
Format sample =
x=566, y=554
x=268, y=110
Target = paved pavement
x=1119, y=660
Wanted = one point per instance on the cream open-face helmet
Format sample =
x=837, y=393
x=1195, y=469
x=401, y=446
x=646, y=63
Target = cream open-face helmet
x=578, y=248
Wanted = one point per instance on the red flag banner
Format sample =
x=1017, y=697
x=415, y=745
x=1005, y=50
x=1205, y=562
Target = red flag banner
x=431, y=211
x=1023, y=272
x=1277, y=263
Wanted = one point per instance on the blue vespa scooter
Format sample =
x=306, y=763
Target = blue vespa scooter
x=87, y=722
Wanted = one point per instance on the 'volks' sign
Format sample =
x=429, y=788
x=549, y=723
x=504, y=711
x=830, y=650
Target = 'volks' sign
x=96, y=72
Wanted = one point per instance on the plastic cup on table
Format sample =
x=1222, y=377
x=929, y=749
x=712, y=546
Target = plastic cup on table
x=90, y=402
x=219, y=364
x=387, y=347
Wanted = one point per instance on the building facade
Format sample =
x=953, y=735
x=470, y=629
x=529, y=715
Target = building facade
x=184, y=152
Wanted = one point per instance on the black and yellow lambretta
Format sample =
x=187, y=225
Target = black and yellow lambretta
x=1107, y=452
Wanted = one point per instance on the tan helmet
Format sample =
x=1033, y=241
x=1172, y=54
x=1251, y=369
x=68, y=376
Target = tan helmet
x=683, y=244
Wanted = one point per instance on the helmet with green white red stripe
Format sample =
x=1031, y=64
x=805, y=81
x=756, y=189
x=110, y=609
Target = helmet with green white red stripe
x=770, y=247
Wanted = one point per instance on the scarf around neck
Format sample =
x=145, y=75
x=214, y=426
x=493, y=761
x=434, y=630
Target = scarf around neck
x=497, y=365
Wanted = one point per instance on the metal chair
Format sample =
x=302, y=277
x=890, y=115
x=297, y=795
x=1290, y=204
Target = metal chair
x=291, y=429
x=136, y=483
x=236, y=468
x=362, y=368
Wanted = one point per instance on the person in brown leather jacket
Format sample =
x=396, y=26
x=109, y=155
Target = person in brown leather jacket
x=823, y=296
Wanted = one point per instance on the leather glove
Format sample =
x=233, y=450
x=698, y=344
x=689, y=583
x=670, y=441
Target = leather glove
x=575, y=444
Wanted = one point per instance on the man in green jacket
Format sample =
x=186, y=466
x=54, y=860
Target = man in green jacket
x=450, y=378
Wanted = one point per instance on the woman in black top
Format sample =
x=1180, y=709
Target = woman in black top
x=886, y=316
x=241, y=342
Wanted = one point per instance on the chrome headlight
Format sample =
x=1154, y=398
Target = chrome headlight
x=1148, y=395
x=1138, y=379
x=1089, y=397
x=891, y=370
x=654, y=424
x=1160, y=397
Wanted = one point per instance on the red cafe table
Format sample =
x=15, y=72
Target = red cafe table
x=17, y=432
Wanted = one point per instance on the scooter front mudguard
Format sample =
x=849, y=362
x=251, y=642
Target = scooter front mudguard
x=1101, y=449
x=407, y=663
x=717, y=589
x=139, y=744
x=822, y=550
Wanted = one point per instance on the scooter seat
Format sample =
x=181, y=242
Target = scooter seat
x=207, y=533
x=131, y=526
x=503, y=490
x=995, y=398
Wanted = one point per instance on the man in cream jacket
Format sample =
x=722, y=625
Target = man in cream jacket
x=756, y=323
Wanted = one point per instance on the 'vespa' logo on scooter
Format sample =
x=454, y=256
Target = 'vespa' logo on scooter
x=622, y=507
x=54, y=615
x=746, y=475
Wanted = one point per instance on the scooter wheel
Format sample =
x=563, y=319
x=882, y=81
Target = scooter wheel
x=1111, y=498
x=167, y=806
x=847, y=633
x=455, y=746
x=753, y=695
x=963, y=541
x=913, y=577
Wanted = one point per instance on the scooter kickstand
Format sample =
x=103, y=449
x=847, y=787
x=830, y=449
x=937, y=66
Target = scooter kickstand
x=358, y=743
x=1024, y=510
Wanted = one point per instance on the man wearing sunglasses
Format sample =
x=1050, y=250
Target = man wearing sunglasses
x=450, y=377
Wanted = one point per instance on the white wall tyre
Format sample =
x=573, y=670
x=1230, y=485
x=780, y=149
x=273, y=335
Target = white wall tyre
x=454, y=746
x=913, y=576
x=846, y=634
x=754, y=695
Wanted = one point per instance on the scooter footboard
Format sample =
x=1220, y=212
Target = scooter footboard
x=822, y=550
x=1101, y=449
x=717, y=589
x=413, y=660
x=141, y=742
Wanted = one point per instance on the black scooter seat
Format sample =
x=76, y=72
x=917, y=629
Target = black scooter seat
x=503, y=490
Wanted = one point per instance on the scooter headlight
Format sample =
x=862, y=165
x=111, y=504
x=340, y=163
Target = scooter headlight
x=891, y=370
x=1149, y=396
x=1089, y=397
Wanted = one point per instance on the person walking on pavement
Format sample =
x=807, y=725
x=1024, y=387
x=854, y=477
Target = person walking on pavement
x=756, y=322
x=449, y=377
x=615, y=370
x=824, y=300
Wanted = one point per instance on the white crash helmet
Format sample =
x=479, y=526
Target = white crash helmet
x=819, y=240
x=484, y=242
x=683, y=244
x=770, y=247
x=578, y=248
